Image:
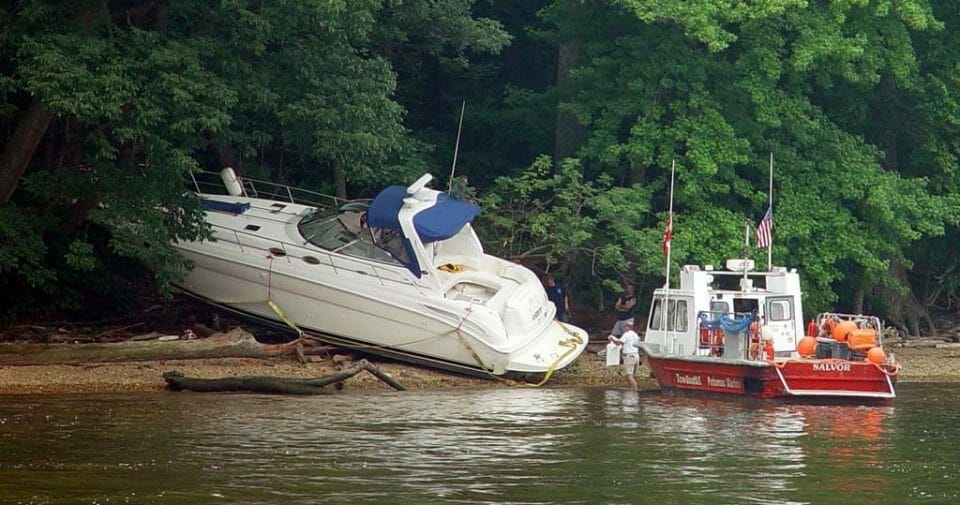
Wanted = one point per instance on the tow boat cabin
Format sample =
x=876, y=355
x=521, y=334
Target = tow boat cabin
x=692, y=323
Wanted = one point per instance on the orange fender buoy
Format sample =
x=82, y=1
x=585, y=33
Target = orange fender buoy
x=807, y=346
x=841, y=330
x=876, y=355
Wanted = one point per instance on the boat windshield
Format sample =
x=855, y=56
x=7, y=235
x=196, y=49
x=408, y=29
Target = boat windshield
x=343, y=230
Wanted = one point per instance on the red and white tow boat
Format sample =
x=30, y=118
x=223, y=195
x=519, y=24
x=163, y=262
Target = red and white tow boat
x=741, y=332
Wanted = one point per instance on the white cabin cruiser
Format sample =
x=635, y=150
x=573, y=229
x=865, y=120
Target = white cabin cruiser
x=403, y=275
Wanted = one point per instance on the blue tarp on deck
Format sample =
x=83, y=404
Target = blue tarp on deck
x=235, y=208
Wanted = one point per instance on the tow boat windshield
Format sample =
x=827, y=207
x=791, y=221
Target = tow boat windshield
x=344, y=230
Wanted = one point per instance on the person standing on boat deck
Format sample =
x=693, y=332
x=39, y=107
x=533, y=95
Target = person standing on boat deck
x=626, y=306
x=630, y=353
x=557, y=293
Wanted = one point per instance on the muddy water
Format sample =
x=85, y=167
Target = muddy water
x=489, y=446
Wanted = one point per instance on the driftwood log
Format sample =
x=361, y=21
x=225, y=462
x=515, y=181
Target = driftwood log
x=278, y=385
x=233, y=344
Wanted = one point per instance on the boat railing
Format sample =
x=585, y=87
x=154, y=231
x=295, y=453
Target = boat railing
x=340, y=263
x=863, y=322
x=212, y=183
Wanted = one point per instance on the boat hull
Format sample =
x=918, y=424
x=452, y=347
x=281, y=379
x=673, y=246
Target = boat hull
x=394, y=322
x=797, y=379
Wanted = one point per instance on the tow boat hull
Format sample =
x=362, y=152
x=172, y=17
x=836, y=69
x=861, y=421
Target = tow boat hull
x=784, y=378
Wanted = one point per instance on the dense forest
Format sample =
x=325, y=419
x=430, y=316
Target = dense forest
x=575, y=111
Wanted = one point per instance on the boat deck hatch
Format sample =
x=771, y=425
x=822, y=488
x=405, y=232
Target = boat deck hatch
x=252, y=227
x=471, y=291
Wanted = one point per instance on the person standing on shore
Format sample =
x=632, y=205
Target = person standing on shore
x=630, y=353
x=557, y=293
x=626, y=307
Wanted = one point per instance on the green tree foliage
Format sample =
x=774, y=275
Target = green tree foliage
x=718, y=85
x=108, y=106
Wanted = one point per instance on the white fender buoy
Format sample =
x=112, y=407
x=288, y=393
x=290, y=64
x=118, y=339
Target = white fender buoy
x=231, y=181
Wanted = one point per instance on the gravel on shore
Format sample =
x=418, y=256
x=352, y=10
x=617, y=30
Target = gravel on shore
x=919, y=365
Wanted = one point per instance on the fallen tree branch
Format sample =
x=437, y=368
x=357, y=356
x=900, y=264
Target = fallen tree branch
x=233, y=344
x=274, y=385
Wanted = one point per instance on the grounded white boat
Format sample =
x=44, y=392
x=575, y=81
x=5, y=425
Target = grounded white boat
x=403, y=275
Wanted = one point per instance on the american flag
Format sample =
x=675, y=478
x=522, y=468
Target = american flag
x=765, y=230
x=667, y=235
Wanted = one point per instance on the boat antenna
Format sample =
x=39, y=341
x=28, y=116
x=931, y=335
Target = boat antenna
x=746, y=251
x=456, y=148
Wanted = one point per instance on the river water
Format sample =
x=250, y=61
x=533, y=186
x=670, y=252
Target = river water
x=529, y=446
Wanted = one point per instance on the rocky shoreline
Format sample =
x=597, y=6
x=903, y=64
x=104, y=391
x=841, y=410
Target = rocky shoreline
x=927, y=363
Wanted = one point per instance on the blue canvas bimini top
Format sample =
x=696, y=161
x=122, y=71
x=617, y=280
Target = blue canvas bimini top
x=441, y=221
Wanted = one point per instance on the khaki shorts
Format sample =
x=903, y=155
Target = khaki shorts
x=630, y=363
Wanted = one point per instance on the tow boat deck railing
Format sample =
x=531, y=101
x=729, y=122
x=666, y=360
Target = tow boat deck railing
x=211, y=183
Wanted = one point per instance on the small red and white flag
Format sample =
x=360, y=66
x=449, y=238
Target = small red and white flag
x=765, y=230
x=667, y=236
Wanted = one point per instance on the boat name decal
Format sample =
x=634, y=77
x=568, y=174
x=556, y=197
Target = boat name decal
x=690, y=380
x=723, y=382
x=831, y=367
x=714, y=382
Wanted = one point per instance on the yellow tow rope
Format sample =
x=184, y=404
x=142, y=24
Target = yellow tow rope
x=571, y=342
x=276, y=308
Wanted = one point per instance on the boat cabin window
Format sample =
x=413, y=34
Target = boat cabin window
x=745, y=305
x=343, y=229
x=779, y=309
x=677, y=316
x=717, y=308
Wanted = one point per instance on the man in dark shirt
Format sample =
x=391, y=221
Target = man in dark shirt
x=557, y=294
x=626, y=307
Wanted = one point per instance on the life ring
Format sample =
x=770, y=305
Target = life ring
x=705, y=334
x=711, y=339
x=755, y=340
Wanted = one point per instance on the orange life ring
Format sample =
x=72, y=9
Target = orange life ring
x=755, y=340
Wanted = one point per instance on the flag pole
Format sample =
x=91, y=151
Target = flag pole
x=666, y=299
x=673, y=168
x=770, y=193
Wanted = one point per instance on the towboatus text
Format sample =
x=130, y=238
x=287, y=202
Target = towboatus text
x=697, y=380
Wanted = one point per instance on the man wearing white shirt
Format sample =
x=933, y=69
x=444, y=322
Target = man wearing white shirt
x=630, y=351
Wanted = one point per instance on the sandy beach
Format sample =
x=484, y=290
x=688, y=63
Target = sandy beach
x=920, y=364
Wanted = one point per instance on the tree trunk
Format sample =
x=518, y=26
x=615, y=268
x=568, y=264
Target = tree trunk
x=21, y=147
x=339, y=181
x=279, y=385
x=570, y=134
x=906, y=311
x=858, y=301
x=234, y=344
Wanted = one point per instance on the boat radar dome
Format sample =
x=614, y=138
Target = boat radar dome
x=419, y=191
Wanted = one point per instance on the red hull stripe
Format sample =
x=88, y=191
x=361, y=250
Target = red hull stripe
x=825, y=378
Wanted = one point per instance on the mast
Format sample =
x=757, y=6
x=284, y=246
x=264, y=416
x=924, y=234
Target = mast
x=456, y=147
